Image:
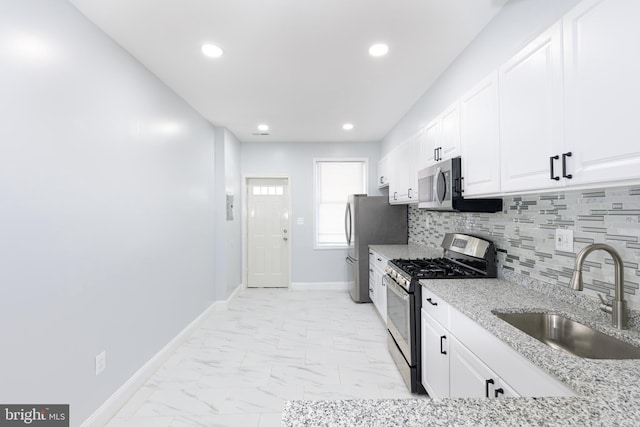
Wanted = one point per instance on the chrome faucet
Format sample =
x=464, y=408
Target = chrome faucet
x=617, y=308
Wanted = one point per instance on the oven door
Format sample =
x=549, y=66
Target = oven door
x=399, y=317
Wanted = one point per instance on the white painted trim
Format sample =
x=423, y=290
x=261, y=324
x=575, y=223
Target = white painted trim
x=118, y=399
x=224, y=305
x=316, y=160
x=320, y=286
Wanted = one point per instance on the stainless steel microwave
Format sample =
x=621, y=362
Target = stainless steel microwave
x=440, y=187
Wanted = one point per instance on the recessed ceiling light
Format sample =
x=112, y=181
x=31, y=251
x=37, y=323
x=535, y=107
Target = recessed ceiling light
x=211, y=50
x=263, y=128
x=379, y=49
x=347, y=126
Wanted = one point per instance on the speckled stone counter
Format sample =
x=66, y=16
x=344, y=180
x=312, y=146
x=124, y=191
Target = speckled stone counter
x=409, y=251
x=608, y=391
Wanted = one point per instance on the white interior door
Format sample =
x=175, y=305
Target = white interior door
x=268, y=232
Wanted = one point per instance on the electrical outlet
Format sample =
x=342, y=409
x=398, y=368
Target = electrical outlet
x=564, y=240
x=101, y=362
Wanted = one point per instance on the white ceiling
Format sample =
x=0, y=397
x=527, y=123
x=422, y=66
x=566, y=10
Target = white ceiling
x=301, y=66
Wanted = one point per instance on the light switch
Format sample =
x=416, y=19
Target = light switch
x=564, y=240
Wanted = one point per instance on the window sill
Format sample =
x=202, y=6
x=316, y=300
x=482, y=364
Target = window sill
x=329, y=247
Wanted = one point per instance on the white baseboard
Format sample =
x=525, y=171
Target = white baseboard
x=224, y=305
x=319, y=286
x=117, y=400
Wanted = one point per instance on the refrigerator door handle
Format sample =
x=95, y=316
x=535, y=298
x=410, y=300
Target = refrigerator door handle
x=347, y=223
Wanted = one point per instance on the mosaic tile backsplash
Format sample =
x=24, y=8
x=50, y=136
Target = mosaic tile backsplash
x=524, y=234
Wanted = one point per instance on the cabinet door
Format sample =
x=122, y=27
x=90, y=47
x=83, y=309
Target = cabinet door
x=531, y=129
x=450, y=132
x=372, y=286
x=406, y=190
x=429, y=141
x=435, y=357
x=479, y=143
x=383, y=172
x=394, y=169
x=381, y=295
x=469, y=377
x=401, y=175
x=602, y=92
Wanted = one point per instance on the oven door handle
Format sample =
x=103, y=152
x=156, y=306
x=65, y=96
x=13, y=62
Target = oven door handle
x=396, y=289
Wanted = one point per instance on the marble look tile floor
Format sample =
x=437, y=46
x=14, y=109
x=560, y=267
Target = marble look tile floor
x=271, y=345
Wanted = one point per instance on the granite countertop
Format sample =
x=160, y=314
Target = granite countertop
x=409, y=251
x=607, y=391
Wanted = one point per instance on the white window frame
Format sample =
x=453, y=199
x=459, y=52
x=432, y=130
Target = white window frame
x=364, y=160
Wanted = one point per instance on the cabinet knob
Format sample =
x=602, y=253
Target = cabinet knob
x=498, y=391
x=430, y=301
x=442, y=350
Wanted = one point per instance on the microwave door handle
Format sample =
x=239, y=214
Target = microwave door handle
x=440, y=184
x=434, y=184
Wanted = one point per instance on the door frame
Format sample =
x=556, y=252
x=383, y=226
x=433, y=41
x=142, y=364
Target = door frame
x=245, y=224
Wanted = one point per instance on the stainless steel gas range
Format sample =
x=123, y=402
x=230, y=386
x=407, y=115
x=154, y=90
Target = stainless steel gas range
x=465, y=257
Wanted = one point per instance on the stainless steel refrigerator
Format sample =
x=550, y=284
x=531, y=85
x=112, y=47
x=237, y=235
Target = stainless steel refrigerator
x=370, y=221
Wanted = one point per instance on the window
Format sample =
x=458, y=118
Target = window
x=334, y=181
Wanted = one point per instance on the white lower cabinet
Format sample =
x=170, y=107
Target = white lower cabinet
x=469, y=377
x=462, y=359
x=434, y=357
x=377, y=288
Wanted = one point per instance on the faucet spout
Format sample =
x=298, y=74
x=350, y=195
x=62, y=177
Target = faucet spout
x=618, y=308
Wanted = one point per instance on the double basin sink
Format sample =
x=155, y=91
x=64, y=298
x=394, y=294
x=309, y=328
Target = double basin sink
x=568, y=335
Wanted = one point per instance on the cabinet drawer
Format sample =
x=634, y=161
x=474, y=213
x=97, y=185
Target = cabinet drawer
x=436, y=307
x=377, y=260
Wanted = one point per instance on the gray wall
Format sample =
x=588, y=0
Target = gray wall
x=228, y=242
x=296, y=161
x=517, y=23
x=106, y=206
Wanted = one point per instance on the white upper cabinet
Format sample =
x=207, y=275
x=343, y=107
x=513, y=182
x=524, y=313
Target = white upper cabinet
x=479, y=138
x=449, y=133
x=383, y=172
x=429, y=140
x=403, y=188
x=440, y=140
x=531, y=131
x=602, y=90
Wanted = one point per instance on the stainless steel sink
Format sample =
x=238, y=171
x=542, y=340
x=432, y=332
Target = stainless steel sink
x=565, y=334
